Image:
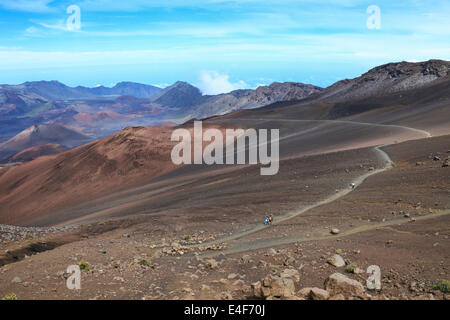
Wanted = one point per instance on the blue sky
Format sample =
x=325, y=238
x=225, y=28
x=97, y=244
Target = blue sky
x=218, y=45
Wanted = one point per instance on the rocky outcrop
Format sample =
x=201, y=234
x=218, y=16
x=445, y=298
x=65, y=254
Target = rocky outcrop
x=250, y=99
x=336, y=261
x=387, y=79
x=274, y=287
x=337, y=283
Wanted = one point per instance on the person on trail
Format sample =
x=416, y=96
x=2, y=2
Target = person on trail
x=267, y=220
x=270, y=219
x=352, y=185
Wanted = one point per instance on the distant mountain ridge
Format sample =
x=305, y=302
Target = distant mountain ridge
x=190, y=99
x=387, y=79
x=101, y=111
x=55, y=90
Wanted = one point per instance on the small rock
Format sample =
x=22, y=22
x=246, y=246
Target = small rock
x=446, y=163
x=336, y=261
x=212, y=264
x=225, y=296
x=256, y=288
x=246, y=259
x=314, y=294
x=289, y=261
x=335, y=231
x=16, y=280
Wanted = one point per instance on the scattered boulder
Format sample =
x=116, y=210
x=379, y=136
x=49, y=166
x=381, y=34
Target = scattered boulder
x=335, y=231
x=246, y=258
x=274, y=287
x=291, y=274
x=289, y=261
x=212, y=264
x=225, y=296
x=338, y=283
x=314, y=294
x=446, y=163
x=257, y=289
x=319, y=294
x=336, y=261
x=16, y=280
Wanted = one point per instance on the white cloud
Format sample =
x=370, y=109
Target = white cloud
x=32, y=31
x=212, y=82
x=161, y=85
x=60, y=25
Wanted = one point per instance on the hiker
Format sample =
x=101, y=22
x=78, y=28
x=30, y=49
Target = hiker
x=352, y=185
x=267, y=220
x=270, y=219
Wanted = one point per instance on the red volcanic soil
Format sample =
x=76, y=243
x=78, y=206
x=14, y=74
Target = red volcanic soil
x=36, y=152
x=131, y=156
x=42, y=134
x=397, y=219
x=126, y=159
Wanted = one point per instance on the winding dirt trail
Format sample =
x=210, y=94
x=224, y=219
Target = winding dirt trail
x=239, y=246
x=298, y=238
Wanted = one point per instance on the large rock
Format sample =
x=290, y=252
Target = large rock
x=336, y=261
x=319, y=294
x=274, y=286
x=291, y=274
x=257, y=289
x=314, y=294
x=337, y=283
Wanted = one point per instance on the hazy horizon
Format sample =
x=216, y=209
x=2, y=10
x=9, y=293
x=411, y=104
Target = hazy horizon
x=216, y=45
